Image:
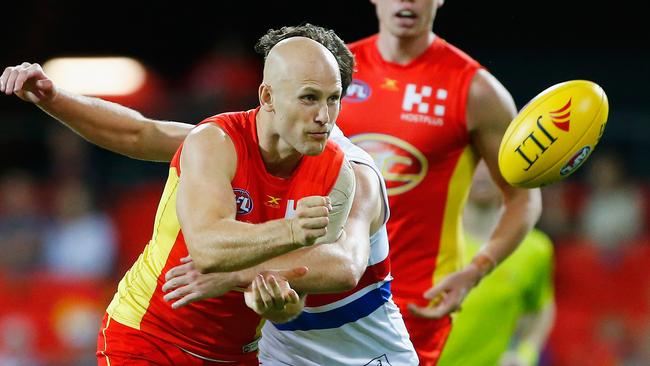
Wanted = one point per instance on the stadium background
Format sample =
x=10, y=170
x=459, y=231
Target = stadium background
x=73, y=216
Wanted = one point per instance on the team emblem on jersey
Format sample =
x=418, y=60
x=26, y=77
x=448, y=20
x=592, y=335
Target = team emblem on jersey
x=243, y=201
x=358, y=91
x=390, y=84
x=273, y=202
x=379, y=361
x=402, y=164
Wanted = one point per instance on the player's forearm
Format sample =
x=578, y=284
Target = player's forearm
x=333, y=268
x=230, y=245
x=115, y=127
x=522, y=209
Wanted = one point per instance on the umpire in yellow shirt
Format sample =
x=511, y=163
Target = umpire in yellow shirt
x=506, y=319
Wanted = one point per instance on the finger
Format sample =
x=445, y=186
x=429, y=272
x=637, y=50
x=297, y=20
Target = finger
x=23, y=76
x=265, y=292
x=9, y=88
x=4, y=77
x=45, y=85
x=315, y=222
x=263, y=299
x=292, y=297
x=186, y=259
x=314, y=234
x=434, y=291
x=424, y=312
x=313, y=201
x=188, y=299
x=276, y=291
x=177, y=293
x=316, y=211
x=175, y=282
x=255, y=288
x=179, y=270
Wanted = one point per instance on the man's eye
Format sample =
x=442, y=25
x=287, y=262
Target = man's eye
x=309, y=97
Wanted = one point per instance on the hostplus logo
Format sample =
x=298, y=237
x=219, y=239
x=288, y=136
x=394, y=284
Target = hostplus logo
x=422, y=105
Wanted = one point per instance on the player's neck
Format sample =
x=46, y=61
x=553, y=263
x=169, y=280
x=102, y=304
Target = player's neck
x=279, y=158
x=402, y=50
x=480, y=222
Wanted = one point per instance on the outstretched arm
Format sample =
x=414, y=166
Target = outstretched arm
x=109, y=125
x=490, y=109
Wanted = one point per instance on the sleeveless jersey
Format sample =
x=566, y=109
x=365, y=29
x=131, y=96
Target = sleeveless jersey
x=358, y=327
x=411, y=119
x=222, y=328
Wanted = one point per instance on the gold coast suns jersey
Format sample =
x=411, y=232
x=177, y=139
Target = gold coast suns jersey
x=222, y=328
x=411, y=119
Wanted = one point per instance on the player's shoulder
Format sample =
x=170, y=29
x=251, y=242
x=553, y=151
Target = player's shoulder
x=452, y=54
x=363, y=43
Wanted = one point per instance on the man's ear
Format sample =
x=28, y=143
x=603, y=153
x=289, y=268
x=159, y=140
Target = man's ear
x=265, y=94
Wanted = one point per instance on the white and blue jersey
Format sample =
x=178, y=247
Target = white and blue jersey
x=358, y=327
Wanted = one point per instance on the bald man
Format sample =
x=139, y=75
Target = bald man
x=243, y=188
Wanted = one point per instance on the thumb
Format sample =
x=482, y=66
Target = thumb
x=46, y=85
x=433, y=292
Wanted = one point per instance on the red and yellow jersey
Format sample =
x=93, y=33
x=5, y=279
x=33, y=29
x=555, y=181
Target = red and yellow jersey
x=411, y=119
x=222, y=328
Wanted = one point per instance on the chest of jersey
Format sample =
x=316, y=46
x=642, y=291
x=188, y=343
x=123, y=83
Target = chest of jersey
x=408, y=121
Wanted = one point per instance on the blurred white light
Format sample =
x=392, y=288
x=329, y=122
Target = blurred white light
x=96, y=75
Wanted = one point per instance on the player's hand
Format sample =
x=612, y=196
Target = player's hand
x=187, y=285
x=28, y=82
x=310, y=220
x=448, y=295
x=273, y=298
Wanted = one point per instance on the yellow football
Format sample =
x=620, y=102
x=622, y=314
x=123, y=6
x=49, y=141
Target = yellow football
x=553, y=134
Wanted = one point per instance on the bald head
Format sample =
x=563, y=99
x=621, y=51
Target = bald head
x=300, y=59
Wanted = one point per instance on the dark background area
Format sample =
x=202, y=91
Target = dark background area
x=528, y=46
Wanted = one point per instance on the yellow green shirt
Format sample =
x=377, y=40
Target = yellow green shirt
x=522, y=284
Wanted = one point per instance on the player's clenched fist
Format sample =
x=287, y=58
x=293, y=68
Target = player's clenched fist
x=310, y=220
x=28, y=82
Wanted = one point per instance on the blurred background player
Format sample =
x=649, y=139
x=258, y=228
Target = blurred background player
x=427, y=113
x=508, y=317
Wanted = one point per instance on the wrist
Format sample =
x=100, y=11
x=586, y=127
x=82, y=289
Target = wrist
x=482, y=264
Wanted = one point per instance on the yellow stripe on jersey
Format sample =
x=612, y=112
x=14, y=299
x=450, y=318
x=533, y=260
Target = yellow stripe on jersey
x=451, y=236
x=136, y=288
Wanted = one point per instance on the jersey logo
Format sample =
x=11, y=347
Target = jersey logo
x=402, y=165
x=379, y=361
x=243, y=201
x=358, y=91
x=272, y=201
x=390, y=84
x=419, y=101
